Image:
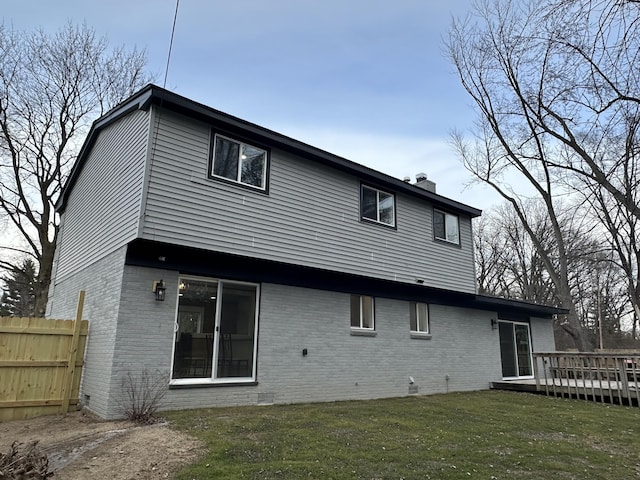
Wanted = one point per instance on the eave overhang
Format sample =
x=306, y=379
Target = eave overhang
x=191, y=261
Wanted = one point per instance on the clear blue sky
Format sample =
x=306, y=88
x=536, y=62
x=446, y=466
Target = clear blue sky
x=366, y=80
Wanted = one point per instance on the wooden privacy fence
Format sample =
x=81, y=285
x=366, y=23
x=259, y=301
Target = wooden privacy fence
x=40, y=364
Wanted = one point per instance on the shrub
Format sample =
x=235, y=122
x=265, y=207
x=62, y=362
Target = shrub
x=141, y=395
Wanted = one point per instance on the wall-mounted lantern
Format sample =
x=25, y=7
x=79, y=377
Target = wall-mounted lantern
x=494, y=324
x=159, y=289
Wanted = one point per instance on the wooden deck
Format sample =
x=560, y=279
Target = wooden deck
x=596, y=377
x=597, y=391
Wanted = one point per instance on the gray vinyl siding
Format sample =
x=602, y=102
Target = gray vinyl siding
x=103, y=211
x=310, y=216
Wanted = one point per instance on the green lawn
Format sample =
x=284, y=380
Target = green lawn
x=487, y=435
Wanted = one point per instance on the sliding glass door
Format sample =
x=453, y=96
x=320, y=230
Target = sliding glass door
x=215, y=331
x=515, y=349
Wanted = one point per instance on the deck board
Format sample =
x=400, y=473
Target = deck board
x=595, y=390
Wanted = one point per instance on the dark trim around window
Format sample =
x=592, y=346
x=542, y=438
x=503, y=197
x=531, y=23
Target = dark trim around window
x=240, y=141
x=370, y=221
x=444, y=239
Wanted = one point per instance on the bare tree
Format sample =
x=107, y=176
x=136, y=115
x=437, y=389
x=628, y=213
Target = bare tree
x=622, y=236
x=556, y=85
x=507, y=263
x=51, y=87
x=523, y=272
x=491, y=251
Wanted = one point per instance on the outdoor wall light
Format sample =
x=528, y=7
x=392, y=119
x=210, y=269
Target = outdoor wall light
x=159, y=289
x=494, y=324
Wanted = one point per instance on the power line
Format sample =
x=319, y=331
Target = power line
x=173, y=29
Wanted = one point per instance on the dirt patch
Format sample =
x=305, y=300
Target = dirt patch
x=80, y=446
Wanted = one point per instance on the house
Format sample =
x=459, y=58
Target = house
x=246, y=267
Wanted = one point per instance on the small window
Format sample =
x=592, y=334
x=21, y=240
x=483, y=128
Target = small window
x=419, y=317
x=239, y=162
x=377, y=206
x=446, y=227
x=362, y=315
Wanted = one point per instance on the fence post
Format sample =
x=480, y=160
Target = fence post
x=69, y=375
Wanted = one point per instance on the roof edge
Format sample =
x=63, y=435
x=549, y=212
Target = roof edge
x=138, y=101
x=515, y=304
x=203, y=262
x=153, y=94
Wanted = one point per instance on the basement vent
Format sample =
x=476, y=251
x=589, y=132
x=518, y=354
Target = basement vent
x=265, y=398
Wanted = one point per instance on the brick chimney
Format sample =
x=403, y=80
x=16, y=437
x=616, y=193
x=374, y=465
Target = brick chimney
x=423, y=182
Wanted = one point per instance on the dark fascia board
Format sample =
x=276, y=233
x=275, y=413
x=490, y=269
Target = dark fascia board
x=192, y=261
x=509, y=304
x=152, y=94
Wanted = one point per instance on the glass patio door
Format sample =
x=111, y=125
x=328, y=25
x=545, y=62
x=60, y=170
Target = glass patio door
x=215, y=331
x=515, y=349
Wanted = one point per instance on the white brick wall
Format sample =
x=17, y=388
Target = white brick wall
x=338, y=366
x=145, y=329
x=102, y=282
x=542, y=338
x=462, y=354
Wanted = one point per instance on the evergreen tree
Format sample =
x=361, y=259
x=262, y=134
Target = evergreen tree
x=18, y=295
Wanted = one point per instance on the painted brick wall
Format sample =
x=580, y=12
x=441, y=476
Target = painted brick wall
x=542, y=339
x=101, y=281
x=338, y=365
x=462, y=353
x=144, y=339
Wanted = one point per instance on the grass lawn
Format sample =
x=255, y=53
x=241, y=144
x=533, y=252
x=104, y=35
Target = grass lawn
x=488, y=435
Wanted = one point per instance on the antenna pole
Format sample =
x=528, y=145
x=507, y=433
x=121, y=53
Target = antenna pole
x=173, y=29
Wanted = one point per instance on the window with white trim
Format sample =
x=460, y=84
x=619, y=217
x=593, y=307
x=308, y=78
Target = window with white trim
x=446, y=227
x=377, y=206
x=419, y=317
x=362, y=312
x=239, y=162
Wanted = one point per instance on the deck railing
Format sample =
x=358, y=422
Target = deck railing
x=605, y=377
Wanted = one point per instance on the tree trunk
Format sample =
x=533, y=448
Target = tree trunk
x=44, y=278
x=576, y=332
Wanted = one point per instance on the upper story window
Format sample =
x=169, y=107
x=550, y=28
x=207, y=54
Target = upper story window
x=377, y=206
x=446, y=227
x=239, y=162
